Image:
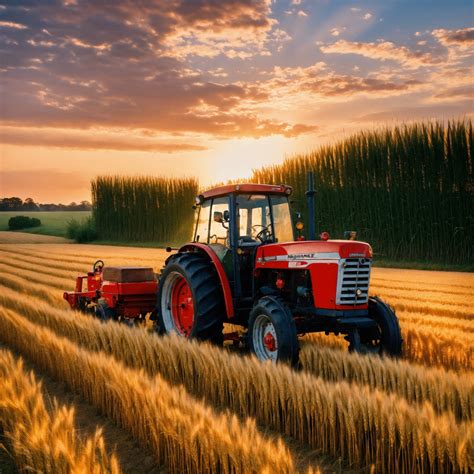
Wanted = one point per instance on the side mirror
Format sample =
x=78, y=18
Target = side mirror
x=226, y=216
x=218, y=217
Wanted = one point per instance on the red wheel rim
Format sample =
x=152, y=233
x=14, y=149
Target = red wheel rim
x=182, y=306
x=269, y=342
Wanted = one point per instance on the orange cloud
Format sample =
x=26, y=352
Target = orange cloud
x=126, y=68
x=463, y=37
x=12, y=24
x=317, y=83
x=91, y=140
x=384, y=51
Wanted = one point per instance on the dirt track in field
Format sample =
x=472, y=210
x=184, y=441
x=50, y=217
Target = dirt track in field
x=27, y=238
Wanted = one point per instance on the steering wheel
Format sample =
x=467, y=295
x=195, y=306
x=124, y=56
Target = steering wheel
x=264, y=234
x=98, y=266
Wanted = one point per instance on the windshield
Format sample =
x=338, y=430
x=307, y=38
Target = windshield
x=255, y=218
x=282, y=219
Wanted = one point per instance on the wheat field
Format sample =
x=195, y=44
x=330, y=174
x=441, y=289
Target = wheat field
x=191, y=407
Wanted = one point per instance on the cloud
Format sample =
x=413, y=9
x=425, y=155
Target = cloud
x=367, y=16
x=168, y=76
x=12, y=24
x=456, y=93
x=71, y=139
x=407, y=113
x=236, y=29
x=317, y=84
x=384, y=51
x=88, y=65
x=347, y=85
x=336, y=31
x=462, y=38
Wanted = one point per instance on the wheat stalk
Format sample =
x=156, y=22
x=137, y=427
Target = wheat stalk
x=42, y=440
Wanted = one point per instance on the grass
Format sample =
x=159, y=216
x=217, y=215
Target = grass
x=52, y=223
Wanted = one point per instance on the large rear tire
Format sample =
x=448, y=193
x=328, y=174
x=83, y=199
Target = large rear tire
x=189, y=300
x=272, y=332
x=386, y=337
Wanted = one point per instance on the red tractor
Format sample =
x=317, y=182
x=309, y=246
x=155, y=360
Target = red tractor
x=246, y=266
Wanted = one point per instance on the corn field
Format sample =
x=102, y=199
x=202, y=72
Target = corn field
x=143, y=209
x=408, y=190
x=193, y=407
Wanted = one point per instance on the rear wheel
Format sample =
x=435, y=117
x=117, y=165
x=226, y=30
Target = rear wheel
x=190, y=301
x=385, y=337
x=272, y=332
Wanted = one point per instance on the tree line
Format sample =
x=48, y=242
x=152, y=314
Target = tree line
x=17, y=204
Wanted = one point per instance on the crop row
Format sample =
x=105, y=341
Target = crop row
x=42, y=439
x=363, y=425
x=443, y=389
x=425, y=342
x=184, y=434
x=426, y=345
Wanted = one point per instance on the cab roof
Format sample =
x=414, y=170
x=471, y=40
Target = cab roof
x=246, y=188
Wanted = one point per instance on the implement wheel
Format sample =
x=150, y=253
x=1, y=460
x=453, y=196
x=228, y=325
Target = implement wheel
x=272, y=332
x=190, y=301
x=103, y=312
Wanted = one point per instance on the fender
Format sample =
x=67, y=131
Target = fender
x=229, y=305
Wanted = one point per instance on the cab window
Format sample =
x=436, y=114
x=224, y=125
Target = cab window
x=282, y=223
x=253, y=214
x=202, y=226
x=219, y=233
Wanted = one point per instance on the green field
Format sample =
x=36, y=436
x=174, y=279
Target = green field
x=52, y=223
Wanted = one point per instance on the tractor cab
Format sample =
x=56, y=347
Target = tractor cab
x=235, y=220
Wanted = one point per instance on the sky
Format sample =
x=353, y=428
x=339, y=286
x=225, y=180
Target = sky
x=214, y=88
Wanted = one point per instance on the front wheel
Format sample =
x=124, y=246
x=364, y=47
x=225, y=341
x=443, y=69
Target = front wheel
x=272, y=332
x=386, y=337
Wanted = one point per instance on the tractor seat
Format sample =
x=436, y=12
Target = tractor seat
x=247, y=241
x=128, y=274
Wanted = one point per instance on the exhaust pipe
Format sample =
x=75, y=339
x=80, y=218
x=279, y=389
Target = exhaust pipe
x=311, y=215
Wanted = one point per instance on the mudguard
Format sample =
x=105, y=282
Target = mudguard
x=229, y=304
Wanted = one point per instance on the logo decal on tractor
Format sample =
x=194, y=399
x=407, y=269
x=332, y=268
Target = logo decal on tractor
x=318, y=256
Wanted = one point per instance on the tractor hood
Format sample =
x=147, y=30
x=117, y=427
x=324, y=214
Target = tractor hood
x=313, y=250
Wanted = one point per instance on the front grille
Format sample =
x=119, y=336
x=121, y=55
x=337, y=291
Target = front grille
x=353, y=278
